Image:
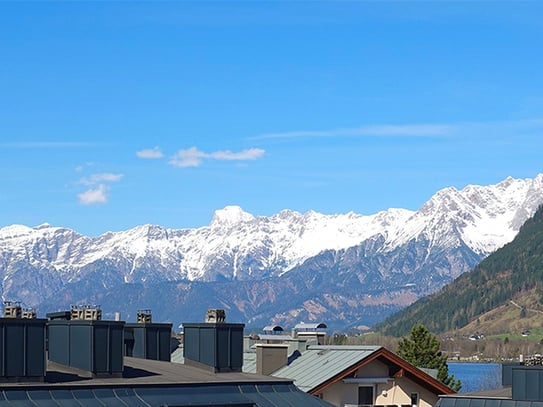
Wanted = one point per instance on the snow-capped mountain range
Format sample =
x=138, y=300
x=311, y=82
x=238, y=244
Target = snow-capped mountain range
x=44, y=266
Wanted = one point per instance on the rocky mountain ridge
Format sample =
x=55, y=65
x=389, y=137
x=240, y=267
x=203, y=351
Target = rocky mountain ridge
x=399, y=253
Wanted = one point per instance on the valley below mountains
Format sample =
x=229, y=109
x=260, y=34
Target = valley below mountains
x=346, y=270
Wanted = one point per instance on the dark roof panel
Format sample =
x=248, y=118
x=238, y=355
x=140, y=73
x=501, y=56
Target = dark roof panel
x=265, y=395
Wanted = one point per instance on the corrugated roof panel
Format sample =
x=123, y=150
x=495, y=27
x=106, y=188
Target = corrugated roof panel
x=108, y=397
x=243, y=395
x=16, y=397
x=462, y=401
x=129, y=396
x=252, y=393
x=85, y=395
x=43, y=398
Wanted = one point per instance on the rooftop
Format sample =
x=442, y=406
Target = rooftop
x=155, y=383
x=308, y=371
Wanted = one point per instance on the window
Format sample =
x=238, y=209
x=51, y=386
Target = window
x=414, y=399
x=365, y=395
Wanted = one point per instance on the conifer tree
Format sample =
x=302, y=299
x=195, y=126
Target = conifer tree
x=422, y=349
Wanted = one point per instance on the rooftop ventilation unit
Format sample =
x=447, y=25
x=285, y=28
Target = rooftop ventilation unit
x=144, y=316
x=86, y=313
x=91, y=345
x=311, y=332
x=214, y=346
x=29, y=313
x=147, y=340
x=12, y=309
x=22, y=346
x=215, y=316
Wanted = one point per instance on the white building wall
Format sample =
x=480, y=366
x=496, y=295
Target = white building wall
x=395, y=391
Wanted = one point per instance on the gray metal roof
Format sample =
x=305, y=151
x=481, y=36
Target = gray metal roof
x=155, y=383
x=249, y=362
x=484, y=402
x=177, y=355
x=246, y=395
x=320, y=363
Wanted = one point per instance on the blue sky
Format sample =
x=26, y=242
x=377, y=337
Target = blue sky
x=117, y=114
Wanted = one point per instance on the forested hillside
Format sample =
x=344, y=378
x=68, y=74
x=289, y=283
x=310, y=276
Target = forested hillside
x=505, y=275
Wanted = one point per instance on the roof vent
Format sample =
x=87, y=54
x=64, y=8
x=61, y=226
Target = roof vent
x=86, y=312
x=215, y=316
x=29, y=313
x=144, y=316
x=12, y=309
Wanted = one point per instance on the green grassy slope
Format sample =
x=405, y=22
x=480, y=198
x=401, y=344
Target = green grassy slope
x=513, y=273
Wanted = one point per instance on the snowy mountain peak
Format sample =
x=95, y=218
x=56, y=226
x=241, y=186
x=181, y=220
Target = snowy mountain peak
x=239, y=246
x=230, y=215
x=43, y=226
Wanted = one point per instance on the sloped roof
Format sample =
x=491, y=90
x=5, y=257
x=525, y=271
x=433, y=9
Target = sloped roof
x=484, y=402
x=155, y=383
x=244, y=395
x=320, y=363
x=322, y=366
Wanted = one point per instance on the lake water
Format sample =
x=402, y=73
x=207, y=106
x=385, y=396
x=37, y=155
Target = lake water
x=477, y=376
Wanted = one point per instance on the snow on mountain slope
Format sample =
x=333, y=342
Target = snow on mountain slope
x=484, y=218
x=277, y=243
x=239, y=246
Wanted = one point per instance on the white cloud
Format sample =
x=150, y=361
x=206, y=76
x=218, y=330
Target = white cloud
x=93, y=196
x=250, y=154
x=389, y=130
x=97, y=194
x=150, y=153
x=193, y=157
x=100, y=178
x=414, y=130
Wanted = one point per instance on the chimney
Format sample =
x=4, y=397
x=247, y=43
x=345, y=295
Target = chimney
x=12, y=309
x=22, y=349
x=270, y=357
x=215, y=346
x=147, y=340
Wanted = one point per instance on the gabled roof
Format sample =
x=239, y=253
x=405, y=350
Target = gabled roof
x=321, y=366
